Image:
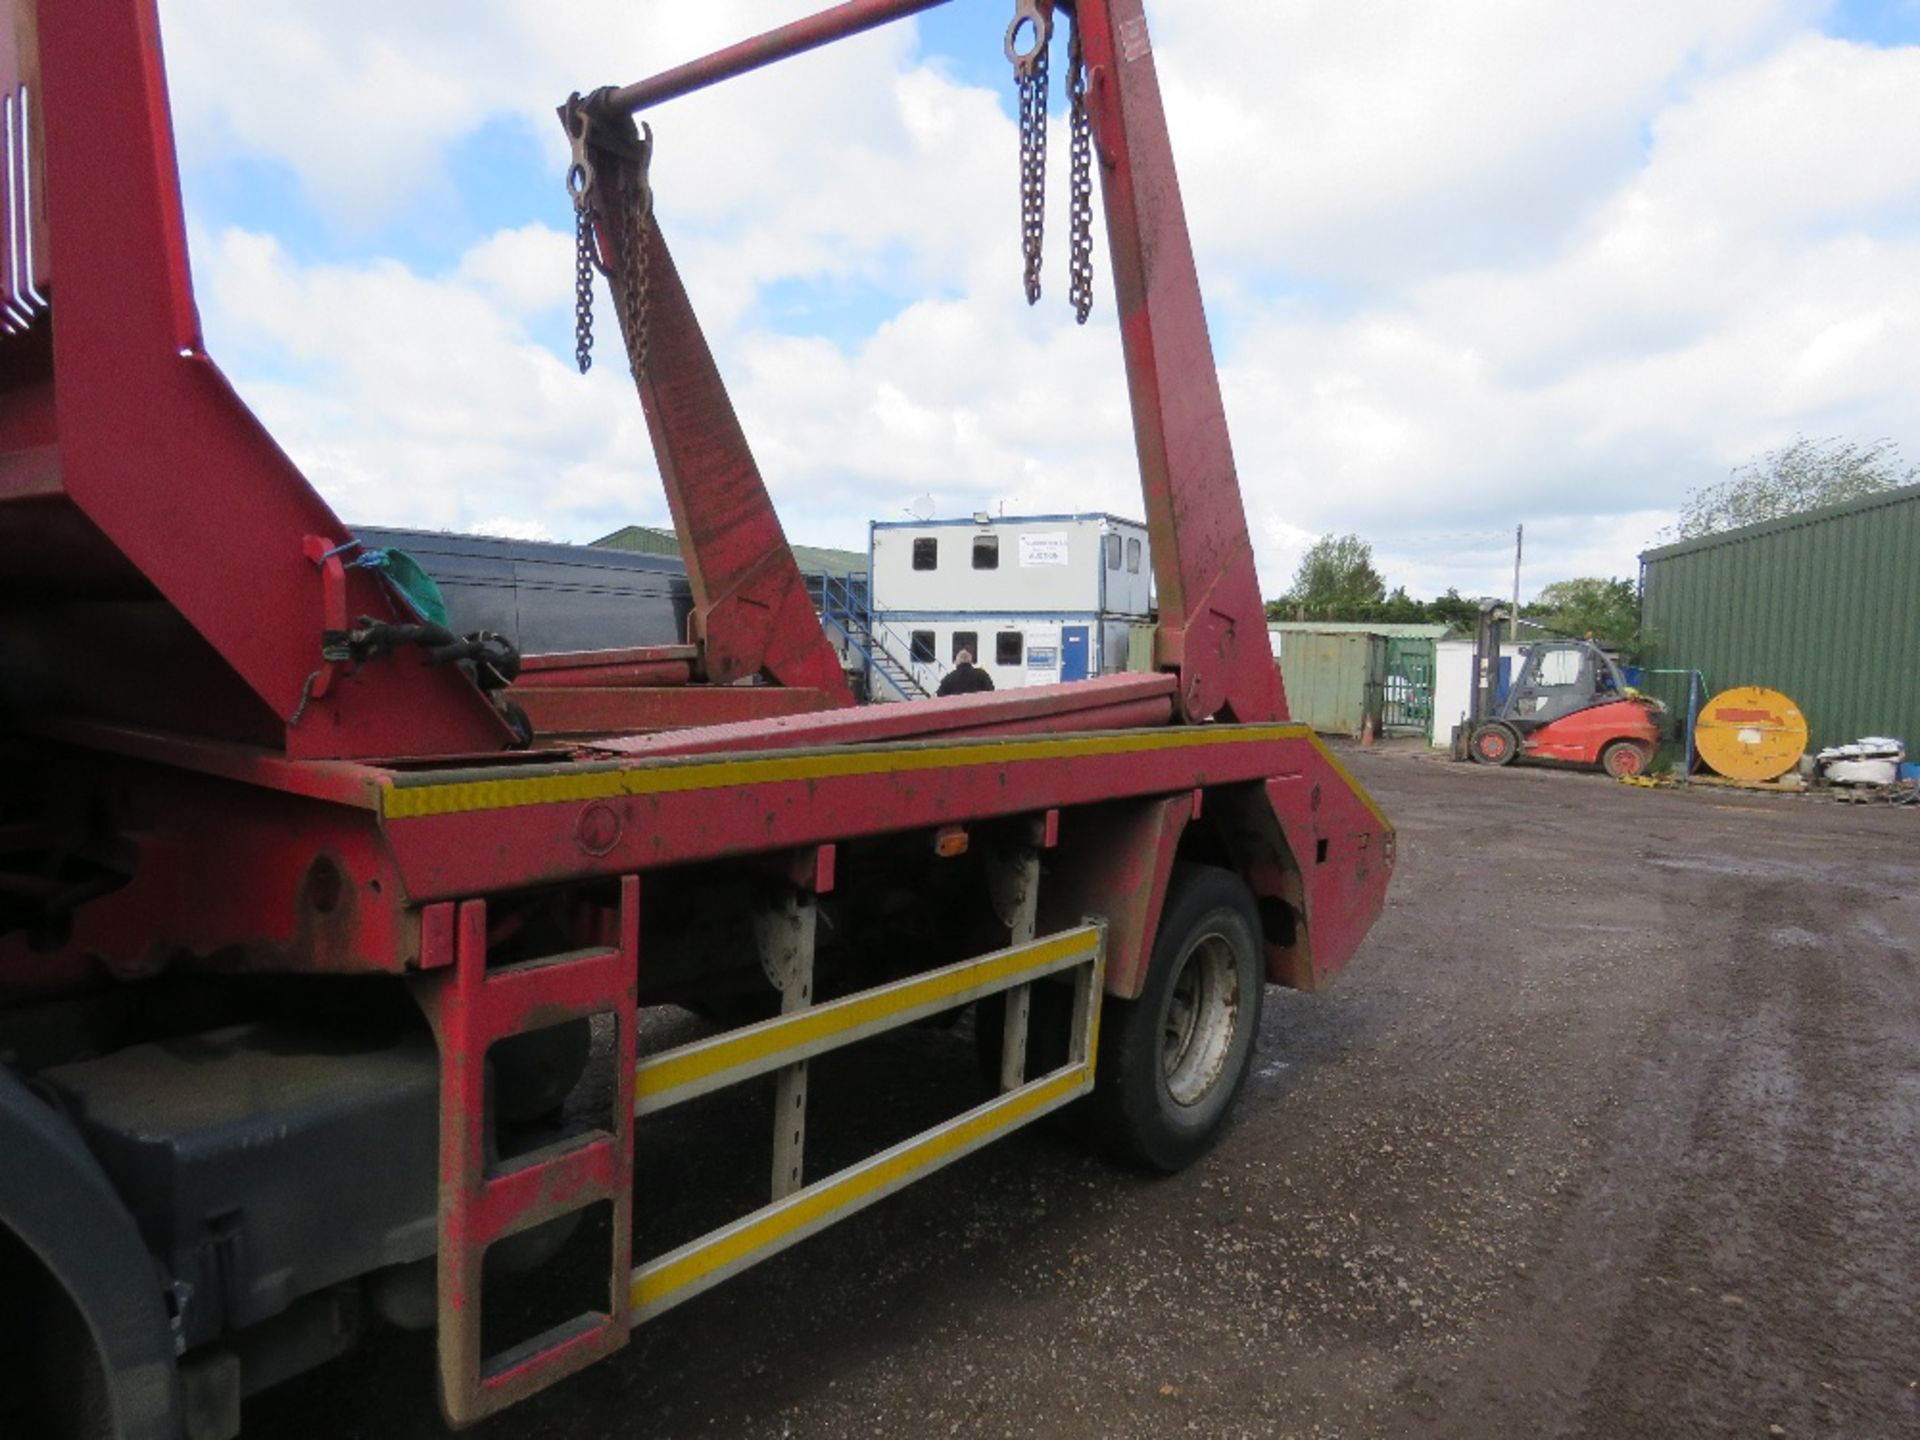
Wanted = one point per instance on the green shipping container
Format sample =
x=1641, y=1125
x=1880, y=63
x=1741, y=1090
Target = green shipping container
x=1823, y=606
x=1333, y=681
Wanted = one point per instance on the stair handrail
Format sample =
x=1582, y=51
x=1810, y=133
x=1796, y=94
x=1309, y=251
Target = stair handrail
x=878, y=663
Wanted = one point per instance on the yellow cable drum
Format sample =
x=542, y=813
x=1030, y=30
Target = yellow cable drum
x=1751, y=733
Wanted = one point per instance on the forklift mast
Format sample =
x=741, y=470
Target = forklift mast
x=1487, y=631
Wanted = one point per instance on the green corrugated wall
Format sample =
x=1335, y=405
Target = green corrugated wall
x=1823, y=606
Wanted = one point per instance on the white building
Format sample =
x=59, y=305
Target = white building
x=1035, y=598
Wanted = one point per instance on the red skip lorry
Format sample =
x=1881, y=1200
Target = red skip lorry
x=314, y=914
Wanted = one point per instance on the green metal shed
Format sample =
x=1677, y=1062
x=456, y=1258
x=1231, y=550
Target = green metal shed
x=1334, y=681
x=1823, y=606
x=1335, y=678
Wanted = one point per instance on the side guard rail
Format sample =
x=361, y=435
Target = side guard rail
x=784, y=1044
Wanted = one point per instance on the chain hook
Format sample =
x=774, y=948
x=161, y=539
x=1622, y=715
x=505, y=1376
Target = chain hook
x=1036, y=15
x=615, y=208
x=580, y=172
x=645, y=171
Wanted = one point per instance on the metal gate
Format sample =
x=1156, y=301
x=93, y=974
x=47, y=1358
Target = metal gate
x=1407, y=707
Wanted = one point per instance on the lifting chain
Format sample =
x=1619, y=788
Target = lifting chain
x=1081, y=211
x=1030, y=79
x=636, y=209
x=610, y=177
x=585, y=262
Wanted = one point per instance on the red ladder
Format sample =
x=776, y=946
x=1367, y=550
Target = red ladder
x=483, y=1199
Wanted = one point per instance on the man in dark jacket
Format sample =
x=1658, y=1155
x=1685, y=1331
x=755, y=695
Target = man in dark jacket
x=965, y=678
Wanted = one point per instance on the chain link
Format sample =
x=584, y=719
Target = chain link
x=1081, y=210
x=636, y=214
x=584, y=264
x=1030, y=79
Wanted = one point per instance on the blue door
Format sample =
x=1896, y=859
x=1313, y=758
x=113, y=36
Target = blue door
x=1073, y=652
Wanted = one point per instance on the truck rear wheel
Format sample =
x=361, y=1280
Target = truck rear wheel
x=1172, y=1062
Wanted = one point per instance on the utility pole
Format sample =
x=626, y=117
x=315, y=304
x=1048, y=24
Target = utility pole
x=1519, y=544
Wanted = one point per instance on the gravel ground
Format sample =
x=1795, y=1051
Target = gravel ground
x=1612, y=1129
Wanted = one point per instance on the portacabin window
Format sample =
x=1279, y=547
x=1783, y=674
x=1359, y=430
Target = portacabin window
x=1133, y=557
x=986, y=552
x=1009, y=648
x=1113, y=551
x=967, y=640
x=926, y=552
x=923, y=651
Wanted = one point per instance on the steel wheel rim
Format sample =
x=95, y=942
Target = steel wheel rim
x=1203, y=1012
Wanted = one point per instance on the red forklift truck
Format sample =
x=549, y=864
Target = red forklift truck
x=313, y=911
x=1569, y=703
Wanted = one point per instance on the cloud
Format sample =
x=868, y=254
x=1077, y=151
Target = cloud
x=525, y=270
x=1755, y=277
x=509, y=527
x=1468, y=266
x=363, y=100
x=1378, y=144
x=418, y=401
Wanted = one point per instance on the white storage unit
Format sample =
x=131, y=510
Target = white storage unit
x=1037, y=599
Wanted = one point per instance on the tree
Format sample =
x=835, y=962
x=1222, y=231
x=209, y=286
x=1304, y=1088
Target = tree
x=1453, y=609
x=1608, y=610
x=1336, y=580
x=1801, y=476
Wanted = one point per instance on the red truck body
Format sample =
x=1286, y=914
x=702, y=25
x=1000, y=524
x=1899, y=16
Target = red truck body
x=229, y=820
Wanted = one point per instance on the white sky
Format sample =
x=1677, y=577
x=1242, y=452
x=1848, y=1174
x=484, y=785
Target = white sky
x=1467, y=265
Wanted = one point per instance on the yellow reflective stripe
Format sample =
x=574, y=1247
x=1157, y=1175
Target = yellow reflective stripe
x=820, y=1201
x=404, y=801
x=671, y=1071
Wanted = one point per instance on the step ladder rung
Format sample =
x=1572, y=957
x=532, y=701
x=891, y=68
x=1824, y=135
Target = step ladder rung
x=484, y=1200
x=533, y=1194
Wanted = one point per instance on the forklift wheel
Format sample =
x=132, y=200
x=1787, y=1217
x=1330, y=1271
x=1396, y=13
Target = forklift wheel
x=1494, y=744
x=1624, y=758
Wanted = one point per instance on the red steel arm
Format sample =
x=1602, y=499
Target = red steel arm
x=1212, y=619
x=751, y=611
x=1213, y=627
x=752, y=615
x=164, y=536
x=844, y=20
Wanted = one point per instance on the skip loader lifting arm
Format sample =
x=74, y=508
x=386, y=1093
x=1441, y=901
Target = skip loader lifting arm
x=301, y=963
x=1212, y=630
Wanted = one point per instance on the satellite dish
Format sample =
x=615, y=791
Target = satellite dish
x=921, y=508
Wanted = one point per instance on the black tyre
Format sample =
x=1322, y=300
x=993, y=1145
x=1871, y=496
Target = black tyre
x=1173, y=1061
x=1494, y=743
